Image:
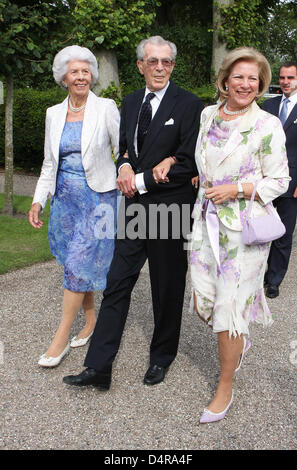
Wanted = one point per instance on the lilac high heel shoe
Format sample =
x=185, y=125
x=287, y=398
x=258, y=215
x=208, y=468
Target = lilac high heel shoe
x=210, y=417
x=246, y=346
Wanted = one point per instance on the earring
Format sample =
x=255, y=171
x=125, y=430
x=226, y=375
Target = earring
x=226, y=88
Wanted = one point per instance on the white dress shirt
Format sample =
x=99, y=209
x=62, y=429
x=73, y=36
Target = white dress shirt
x=291, y=103
x=155, y=103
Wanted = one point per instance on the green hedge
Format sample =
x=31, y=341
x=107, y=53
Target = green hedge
x=28, y=126
x=29, y=122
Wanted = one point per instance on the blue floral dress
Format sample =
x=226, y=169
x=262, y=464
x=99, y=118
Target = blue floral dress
x=82, y=221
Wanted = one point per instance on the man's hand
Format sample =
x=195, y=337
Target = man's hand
x=295, y=193
x=126, y=181
x=33, y=215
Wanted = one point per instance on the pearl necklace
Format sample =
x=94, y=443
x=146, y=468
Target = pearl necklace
x=76, y=110
x=233, y=113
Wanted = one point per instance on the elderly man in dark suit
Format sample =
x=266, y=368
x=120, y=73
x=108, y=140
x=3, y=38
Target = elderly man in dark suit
x=285, y=107
x=159, y=129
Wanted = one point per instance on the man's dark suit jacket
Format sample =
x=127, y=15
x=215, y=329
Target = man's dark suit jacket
x=272, y=106
x=280, y=250
x=167, y=256
x=181, y=110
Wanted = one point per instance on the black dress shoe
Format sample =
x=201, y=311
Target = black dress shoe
x=154, y=375
x=272, y=291
x=89, y=377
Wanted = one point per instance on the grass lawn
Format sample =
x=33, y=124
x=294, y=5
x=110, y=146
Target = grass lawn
x=20, y=244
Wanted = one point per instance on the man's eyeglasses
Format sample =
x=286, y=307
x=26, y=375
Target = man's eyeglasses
x=154, y=62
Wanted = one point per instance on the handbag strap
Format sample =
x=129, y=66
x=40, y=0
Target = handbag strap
x=268, y=206
x=252, y=199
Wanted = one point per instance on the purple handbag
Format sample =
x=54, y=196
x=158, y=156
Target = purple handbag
x=263, y=229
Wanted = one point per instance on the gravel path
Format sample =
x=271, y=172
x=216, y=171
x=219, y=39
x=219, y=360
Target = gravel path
x=38, y=411
x=23, y=183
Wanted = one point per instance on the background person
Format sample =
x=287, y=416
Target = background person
x=161, y=120
x=238, y=144
x=285, y=107
x=80, y=174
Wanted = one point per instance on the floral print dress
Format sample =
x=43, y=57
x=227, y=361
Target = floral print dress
x=229, y=295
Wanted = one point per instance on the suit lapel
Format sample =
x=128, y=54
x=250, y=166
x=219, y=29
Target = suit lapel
x=274, y=105
x=203, y=133
x=58, y=119
x=244, y=128
x=292, y=117
x=133, y=114
x=232, y=143
x=89, y=123
x=161, y=116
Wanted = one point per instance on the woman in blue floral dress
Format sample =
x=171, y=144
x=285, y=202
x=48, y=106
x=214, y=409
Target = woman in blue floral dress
x=79, y=172
x=238, y=145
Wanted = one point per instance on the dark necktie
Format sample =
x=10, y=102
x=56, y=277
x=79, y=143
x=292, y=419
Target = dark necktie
x=284, y=111
x=145, y=117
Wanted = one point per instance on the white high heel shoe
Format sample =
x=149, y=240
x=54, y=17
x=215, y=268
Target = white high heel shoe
x=78, y=342
x=47, y=361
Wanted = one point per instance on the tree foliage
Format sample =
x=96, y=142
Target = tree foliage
x=31, y=33
x=186, y=24
x=242, y=25
x=269, y=25
x=282, y=29
x=112, y=23
x=28, y=38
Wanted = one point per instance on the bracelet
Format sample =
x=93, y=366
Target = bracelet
x=240, y=193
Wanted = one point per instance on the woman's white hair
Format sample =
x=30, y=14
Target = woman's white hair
x=158, y=41
x=69, y=53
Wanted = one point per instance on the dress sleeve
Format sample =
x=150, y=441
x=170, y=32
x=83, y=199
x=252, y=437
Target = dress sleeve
x=48, y=174
x=113, y=125
x=274, y=162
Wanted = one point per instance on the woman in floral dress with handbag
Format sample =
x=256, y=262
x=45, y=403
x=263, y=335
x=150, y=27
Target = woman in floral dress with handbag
x=238, y=145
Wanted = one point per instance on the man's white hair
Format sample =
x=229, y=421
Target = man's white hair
x=158, y=41
x=69, y=53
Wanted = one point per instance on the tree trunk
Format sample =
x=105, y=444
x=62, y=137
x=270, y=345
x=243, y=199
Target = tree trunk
x=8, y=185
x=295, y=51
x=219, y=49
x=108, y=70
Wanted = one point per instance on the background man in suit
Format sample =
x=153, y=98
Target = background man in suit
x=285, y=107
x=161, y=120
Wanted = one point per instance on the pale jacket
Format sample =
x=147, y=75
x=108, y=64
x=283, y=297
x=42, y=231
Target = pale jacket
x=254, y=152
x=100, y=135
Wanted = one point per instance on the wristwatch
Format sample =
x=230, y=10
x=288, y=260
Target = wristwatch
x=240, y=190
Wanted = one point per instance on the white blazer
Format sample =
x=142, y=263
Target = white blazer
x=100, y=135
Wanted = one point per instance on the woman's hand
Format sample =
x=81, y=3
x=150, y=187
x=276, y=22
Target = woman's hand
x=33, y=215
x=221, y=193
x=195, y=181
x=160, y=171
